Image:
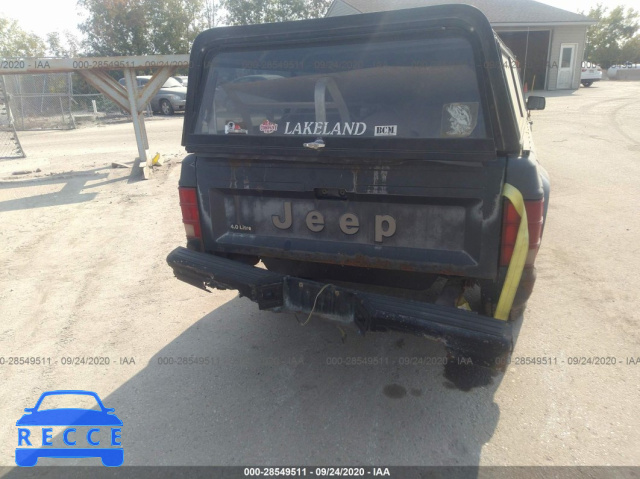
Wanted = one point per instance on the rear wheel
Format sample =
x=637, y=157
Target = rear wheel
x=166, y=108
x=517, y=312
x=587, y=83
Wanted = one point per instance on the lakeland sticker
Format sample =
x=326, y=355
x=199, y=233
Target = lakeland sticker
x=268, y=127
x=321, y=128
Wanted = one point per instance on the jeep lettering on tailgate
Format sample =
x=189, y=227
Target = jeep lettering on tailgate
x=385, y=225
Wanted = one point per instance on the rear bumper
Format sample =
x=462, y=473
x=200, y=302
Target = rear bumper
x=486, y=341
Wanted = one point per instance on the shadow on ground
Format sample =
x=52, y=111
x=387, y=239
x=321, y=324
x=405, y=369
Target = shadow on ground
x=74, y=189
x=277, y=393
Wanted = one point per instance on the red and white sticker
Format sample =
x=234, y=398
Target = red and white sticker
x=268, y=127
x=233, y=128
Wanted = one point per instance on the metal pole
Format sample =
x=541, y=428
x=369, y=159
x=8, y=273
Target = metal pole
x=61, y=110
x=21, y=101
x=143, y=128
x=44, y=86
x=6, y=99
x=526, y=53
x=70, y=84
x=7, y=104
x=138, y=121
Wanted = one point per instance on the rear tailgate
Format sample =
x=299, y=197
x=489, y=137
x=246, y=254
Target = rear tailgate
x=370, y=140
x=435, y=217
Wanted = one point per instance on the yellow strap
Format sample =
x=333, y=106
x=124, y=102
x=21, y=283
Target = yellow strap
x=520, y=251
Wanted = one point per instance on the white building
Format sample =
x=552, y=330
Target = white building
x=548, y=41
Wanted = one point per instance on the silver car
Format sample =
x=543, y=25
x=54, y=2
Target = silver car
x=182, y=79
x=169, y=99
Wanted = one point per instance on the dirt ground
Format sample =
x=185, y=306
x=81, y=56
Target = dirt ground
x=83, y=256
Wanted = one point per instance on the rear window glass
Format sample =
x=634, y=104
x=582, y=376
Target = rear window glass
x=422, y=88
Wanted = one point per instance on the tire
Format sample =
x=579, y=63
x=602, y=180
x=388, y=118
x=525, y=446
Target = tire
x=587, y=83
x=166, y=108
x=466, y=377
x=517, y=312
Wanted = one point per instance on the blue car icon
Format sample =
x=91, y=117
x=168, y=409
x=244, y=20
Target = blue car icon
x=70, y=417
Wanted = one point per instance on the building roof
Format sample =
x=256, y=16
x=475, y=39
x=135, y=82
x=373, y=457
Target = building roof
x=511, y=12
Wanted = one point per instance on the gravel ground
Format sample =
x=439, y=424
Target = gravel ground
x=85, y=276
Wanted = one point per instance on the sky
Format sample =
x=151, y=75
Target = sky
x=41, y=17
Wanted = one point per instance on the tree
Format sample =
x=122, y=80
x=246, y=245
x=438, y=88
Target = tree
x=143, y=27
x=630, y=52
x=245, y=12
x=607, y=40
x=65, y=46
x=211, y=13
x=174, y=24
x=16, y=42
x=115, y=27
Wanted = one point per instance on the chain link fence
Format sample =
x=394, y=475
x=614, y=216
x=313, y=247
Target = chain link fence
x=50, y=101
x=94, y=104
x=40, y=101
x=9, y=144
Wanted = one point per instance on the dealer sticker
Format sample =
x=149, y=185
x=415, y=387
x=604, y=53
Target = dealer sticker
x=390, y=130
x=268, y=127
x=232, y=128
x=459, y=119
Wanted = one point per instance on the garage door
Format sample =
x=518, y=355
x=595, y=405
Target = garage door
x=531, y=49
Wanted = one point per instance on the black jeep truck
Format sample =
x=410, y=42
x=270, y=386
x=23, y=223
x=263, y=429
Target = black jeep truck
x=379, y=167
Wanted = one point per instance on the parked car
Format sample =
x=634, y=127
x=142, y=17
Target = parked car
x=182, y=79
x=169, y=99
x=590, y=73
x=255, y=78
x=612, y=72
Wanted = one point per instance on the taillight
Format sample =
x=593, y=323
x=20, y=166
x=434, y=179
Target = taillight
x=510, y=224
x=584, y=69
x=190, y=214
